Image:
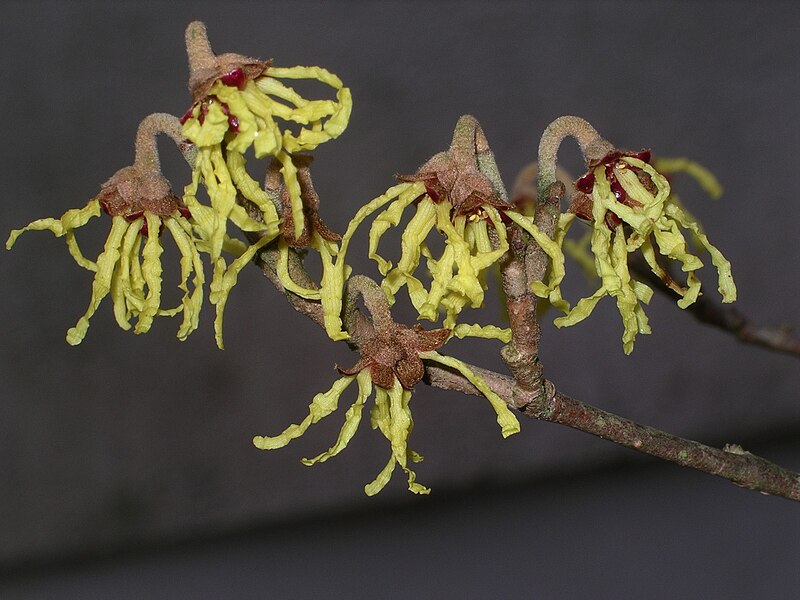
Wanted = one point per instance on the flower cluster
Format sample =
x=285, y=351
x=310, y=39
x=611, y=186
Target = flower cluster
x=243, y=106
x=630, y=207
x=237, y=104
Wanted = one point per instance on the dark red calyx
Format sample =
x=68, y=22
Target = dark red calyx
x=185, y=212
x=201, y=117
x=234, y=78
x=144, y=231
x=643, y=155
x=131, y=217
x=432, y=193
x=611, y=220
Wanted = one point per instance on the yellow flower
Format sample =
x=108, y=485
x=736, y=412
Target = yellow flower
x=391, y=360
x=630, y=207
x=236, y=103
x=241, y=103
x=452, y=195
x=140, y=204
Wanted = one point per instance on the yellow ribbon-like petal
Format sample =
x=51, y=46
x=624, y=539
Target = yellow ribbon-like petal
x=69, y=221
x=321, y=406
x=505, y=418
x=101, y=286
x=351, y=421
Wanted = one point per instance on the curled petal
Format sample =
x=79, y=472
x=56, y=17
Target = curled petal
x=488, y=332
x=505, y=418
x=190, y=262
x=101, y=286
x=726, y=286
x=551, y=290
x=351, y=421
x=65, y=226
x=321, y=406
x=224, y=279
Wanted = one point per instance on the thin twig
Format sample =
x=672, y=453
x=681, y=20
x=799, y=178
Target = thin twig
x=731, y=463
x=709, y=311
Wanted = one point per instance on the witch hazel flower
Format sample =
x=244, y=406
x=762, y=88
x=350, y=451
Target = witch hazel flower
x=141, y=206
x=391, y=364
x=241, y=103
x=630, y=207
x=451, y=194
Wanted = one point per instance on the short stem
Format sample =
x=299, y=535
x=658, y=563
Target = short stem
x=198, y=48
x=146, y=146
x=593, y=146
x=374, y=300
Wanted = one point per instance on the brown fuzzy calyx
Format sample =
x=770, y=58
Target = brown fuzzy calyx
x=454, y=174
x=205, y=67
x=130, y=191
x=394, y=352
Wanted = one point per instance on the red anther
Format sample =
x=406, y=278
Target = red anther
x=201, y=118
x=233, y=121
x=185, y=212
x=618, y=190
x=585, y=183
x=234, y=78
x=611, y=220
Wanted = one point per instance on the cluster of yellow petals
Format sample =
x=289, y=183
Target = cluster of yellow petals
x=391, y=415
x=652, y=228
x=257, y=108
x=130, y=270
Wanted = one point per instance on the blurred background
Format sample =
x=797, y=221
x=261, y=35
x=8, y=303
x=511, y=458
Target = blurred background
x=128, y=468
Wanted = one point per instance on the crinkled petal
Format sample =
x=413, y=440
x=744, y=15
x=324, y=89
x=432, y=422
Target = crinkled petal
x=351, y=421
x=727, y=287
x=321, y=406
x=250, y=189
x=489, y=332
x=181, y=231
x=505, y=418
x=123, y=293
x=101, y=286
x=405, y=193
x=70, y=220
x=282, y=271
x=151, y=271
x=331, y=287
x=224, y=279
x=551, y=290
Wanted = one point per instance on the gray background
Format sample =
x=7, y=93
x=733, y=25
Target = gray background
x=130, y=443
